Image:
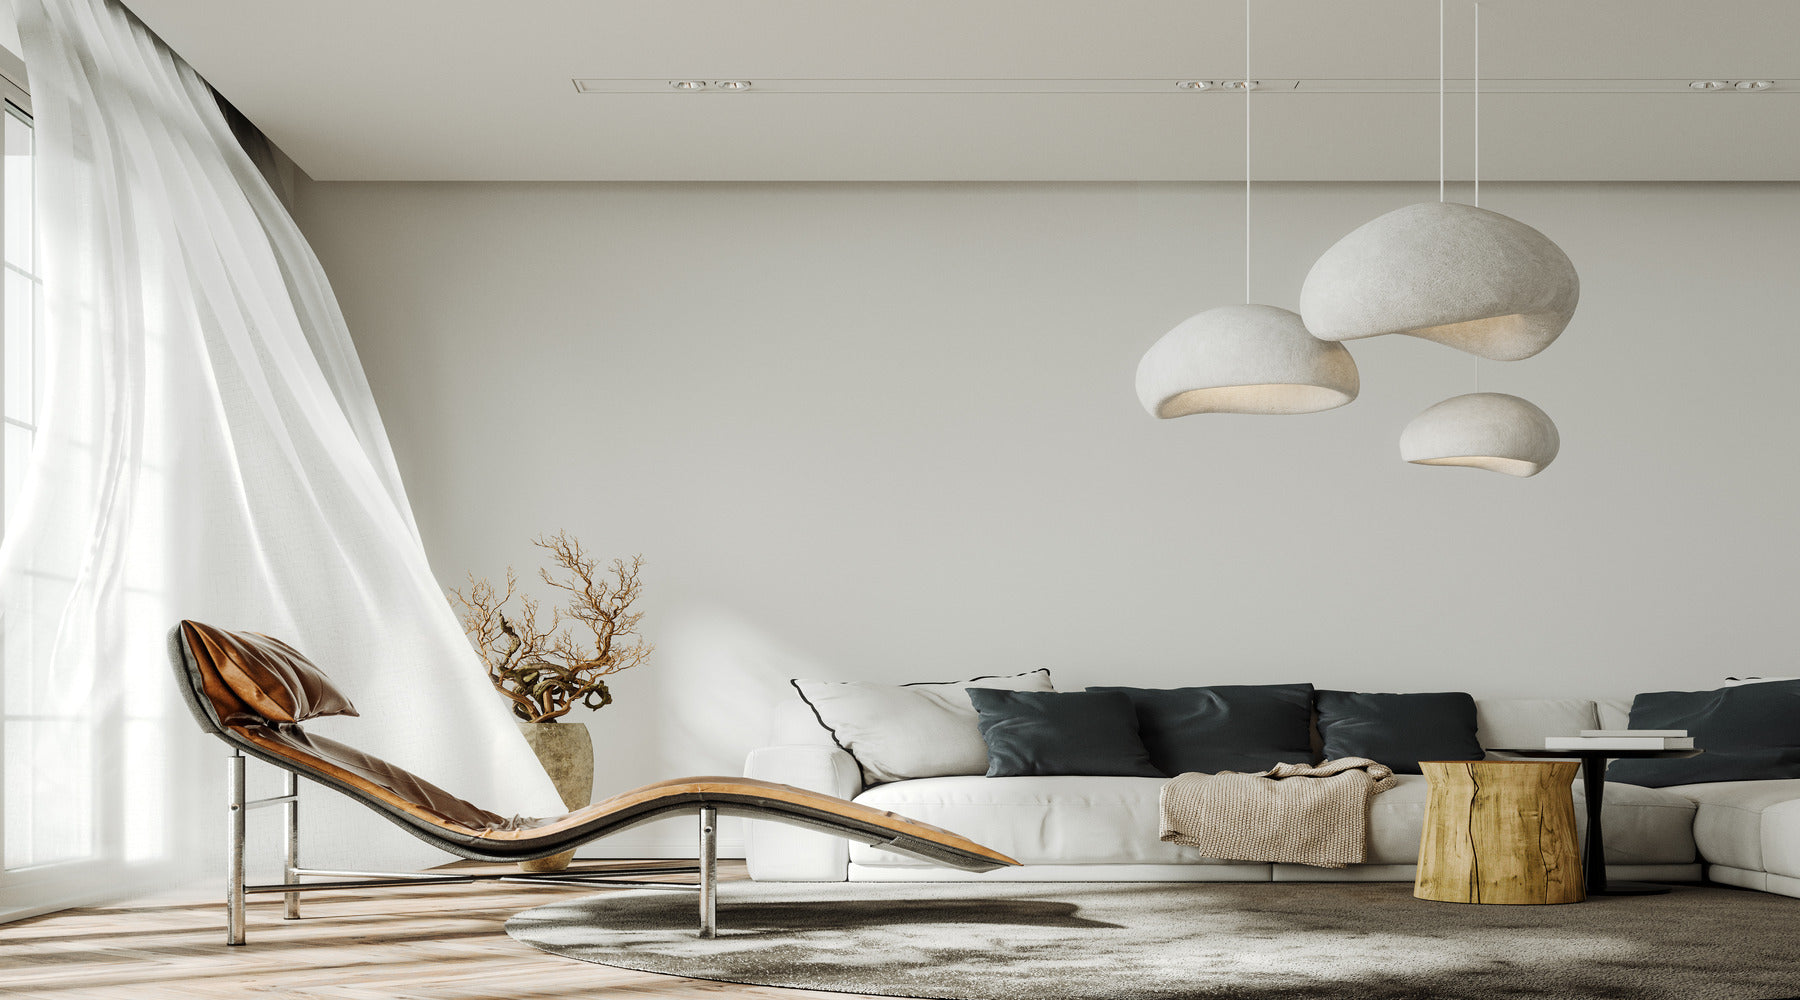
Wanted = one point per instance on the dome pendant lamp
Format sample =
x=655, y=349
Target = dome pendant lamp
x=1482, y=430
x=1455, y=274
x=1248, y=358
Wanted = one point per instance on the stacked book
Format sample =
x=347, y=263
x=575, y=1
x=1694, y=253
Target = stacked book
x=1622, y=739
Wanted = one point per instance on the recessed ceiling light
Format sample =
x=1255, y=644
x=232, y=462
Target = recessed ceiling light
x=1709, y=84
x=1192, y=84
x=1754, y=84
x=733, y=84
x=688, y=84
x=1241, y=84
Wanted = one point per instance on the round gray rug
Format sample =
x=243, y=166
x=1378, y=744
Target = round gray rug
x=1162, y=941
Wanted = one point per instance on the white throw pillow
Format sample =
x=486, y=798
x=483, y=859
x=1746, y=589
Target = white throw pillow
x=1740, y=681
x=901, y=731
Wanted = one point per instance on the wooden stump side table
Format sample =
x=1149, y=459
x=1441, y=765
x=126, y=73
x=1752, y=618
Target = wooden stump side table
x=1593, y=783
x=1499, y=831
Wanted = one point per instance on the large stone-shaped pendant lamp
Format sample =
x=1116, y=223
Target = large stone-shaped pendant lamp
x=1244, y=359
x=1459, y=275
x=1483, y=430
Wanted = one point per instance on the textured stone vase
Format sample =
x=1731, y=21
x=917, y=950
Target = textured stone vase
x=566, y=750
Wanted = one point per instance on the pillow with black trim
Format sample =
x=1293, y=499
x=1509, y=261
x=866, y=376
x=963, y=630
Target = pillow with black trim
x=902, y=731
x=1747, y=732
x=1226, y=727
x=1046, y=733
x=1399, y=730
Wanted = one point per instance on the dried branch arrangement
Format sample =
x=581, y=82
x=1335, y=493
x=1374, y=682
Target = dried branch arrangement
x=541, y=666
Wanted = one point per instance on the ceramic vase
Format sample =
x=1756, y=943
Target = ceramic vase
x=566, y=750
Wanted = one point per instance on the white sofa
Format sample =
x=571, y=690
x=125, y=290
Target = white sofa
x=1744, y=833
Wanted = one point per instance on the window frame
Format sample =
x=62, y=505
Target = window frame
x=37, y=887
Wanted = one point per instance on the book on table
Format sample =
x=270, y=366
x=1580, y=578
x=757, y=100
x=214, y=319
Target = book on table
x=1634, y=733
x=1618, y=743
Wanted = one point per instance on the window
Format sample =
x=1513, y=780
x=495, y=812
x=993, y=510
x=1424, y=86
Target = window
x=46, y=819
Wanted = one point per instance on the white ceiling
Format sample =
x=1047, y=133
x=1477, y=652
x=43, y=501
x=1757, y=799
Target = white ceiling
x=998, y=89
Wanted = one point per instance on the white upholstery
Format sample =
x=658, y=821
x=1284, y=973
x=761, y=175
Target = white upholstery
x=1066, y=873
x=1642, y=825
x=1104, y=829
x=1739, y=877
x=1522, y=723
x=1781, y=839
x=1749, y=825
x=1354, y=873
x=1615, y=713
x=1407, y=873
x=1065, y=820
x=1093, y=821
x=777, y=852
x=898, y=732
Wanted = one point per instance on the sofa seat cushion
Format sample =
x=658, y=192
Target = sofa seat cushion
x=1110, y=820
x=1644, y=826
x=1752, y=825
x=1048, y=820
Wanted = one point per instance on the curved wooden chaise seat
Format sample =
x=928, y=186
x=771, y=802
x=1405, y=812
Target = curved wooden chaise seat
x=254, y=692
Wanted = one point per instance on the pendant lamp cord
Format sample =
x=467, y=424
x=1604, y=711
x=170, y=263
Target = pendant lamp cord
x=1477, y=144
x=1440, y=101
x=1246, y=152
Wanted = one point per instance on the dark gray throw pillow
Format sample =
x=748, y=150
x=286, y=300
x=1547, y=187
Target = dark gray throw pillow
x=1748, y=732
x=1227, y=727
x=1044, y=733
x=1399, y=730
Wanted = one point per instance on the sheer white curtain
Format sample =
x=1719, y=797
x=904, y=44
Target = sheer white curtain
x=208, y=449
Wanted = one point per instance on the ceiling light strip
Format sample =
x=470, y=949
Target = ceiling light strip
x=1180, y=86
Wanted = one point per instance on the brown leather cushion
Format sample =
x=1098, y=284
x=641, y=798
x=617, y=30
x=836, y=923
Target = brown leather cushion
x=271, y=677
x=379, y=779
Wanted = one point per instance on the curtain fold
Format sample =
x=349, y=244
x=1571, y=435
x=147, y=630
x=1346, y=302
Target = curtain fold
x=208, y=449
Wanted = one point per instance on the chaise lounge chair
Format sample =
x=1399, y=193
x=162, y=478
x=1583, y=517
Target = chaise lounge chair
x=253, y=692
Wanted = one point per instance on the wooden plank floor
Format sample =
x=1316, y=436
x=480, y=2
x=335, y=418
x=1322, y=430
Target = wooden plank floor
x=436, y=942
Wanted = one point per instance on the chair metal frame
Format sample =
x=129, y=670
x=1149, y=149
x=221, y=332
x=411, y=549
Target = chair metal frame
x=706, y=867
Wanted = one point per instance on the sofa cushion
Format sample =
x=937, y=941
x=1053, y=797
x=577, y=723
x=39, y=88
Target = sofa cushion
x=1524, y=722
x=1229, y=727
x=1747, y=824
x=1399, y=730
x=1643, y=826
x=1095, y=820
x=1749, y=732
x=1066, y=820
x=1781, y=839
x=1071, y=732
x=1615, y=713
x=900, y=731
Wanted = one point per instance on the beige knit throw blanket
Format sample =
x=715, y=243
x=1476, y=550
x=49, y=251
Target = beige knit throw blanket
x=1300, y=814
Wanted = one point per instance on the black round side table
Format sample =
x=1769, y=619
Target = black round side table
x=1593, y=783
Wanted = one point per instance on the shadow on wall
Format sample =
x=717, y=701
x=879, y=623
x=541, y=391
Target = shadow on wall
x=719, y=682
x=714, y=686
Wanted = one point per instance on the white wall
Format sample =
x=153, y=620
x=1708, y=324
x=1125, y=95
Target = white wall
x=867, y=431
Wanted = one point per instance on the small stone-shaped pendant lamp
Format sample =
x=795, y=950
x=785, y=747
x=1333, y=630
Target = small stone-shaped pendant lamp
x=1244, y=359
x=1482, y=430
x=1455, y=274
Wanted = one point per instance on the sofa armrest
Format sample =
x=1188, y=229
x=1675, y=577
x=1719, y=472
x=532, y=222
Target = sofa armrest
x=777, y=852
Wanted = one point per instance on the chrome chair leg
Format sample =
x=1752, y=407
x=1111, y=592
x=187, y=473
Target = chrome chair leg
x=234, y=849
x=290, y=809
x=709, y=871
